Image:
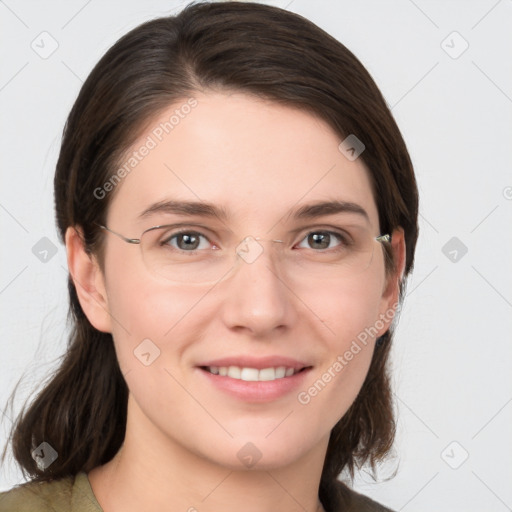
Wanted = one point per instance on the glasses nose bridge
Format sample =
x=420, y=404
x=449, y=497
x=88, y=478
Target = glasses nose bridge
x=251, y=247
x=261, y=239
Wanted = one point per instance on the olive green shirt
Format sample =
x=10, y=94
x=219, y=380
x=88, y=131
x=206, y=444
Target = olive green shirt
x=74, y=494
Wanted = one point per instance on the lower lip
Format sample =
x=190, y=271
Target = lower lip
x=256, y=391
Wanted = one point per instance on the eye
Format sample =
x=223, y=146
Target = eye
x=324, y=240
x=187, y=241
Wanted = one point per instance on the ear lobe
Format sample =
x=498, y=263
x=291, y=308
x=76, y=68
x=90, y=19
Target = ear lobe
x=391, y=291
x=398, y=249
x=88, y=280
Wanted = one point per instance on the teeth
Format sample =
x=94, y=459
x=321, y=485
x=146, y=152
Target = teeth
x=252, y=374
x=234, y=372
x=280, y=372
x=265, y=374
x=249, y=374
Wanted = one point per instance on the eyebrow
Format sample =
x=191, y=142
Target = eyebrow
x=209, y=210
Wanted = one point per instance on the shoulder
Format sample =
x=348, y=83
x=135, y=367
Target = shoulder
x=70, y=494
x=352, y=501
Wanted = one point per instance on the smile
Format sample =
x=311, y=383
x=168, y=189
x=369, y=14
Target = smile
x=252, y=374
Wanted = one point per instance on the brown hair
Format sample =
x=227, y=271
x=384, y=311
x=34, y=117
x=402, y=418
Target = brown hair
x=248, y=47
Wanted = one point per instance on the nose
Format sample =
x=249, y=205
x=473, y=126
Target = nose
x=257, y=297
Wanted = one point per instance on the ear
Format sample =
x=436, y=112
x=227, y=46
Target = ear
x=88, y=280
x=391, y=291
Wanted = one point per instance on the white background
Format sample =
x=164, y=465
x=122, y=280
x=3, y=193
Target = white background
x=452, y=353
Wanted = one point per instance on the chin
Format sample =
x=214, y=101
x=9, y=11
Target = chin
x=260, y=454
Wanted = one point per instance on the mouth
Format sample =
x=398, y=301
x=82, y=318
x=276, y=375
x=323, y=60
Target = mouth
x=249, y=374
x=255, y=379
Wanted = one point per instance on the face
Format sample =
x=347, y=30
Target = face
x=258, y=161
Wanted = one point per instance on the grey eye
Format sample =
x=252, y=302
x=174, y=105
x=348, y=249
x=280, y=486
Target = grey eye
x=322, y=239
x=185, y=241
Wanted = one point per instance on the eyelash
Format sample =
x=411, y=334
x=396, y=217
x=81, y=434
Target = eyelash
x=342, y=238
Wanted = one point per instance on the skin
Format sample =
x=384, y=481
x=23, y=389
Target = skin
x=258, y=160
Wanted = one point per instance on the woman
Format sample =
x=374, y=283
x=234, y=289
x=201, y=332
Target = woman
x=240, y=212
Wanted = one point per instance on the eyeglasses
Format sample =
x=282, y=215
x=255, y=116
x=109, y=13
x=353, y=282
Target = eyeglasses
x=179, y=256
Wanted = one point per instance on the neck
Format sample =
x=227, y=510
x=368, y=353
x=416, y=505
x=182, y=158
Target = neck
x=154, y=473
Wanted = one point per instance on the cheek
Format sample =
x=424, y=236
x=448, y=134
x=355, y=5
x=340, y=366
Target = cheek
x=143, y=309
x=350, y=314
x=349, y=310
x=326, y=398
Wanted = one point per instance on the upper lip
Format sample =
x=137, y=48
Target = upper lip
x=257, y=362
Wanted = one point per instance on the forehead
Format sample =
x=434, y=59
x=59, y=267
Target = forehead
x=253, y=158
